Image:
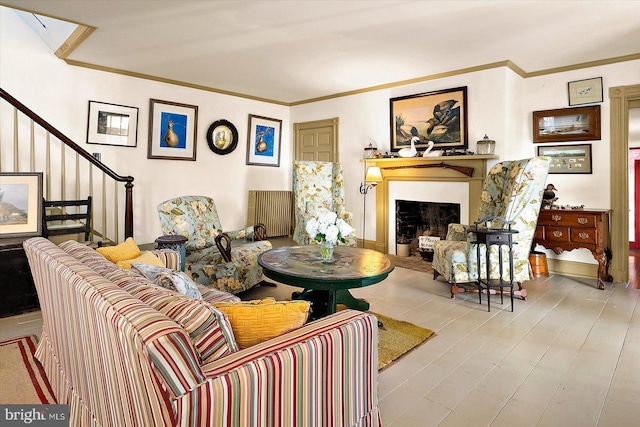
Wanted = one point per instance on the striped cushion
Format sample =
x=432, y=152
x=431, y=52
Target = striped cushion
x=208, y=328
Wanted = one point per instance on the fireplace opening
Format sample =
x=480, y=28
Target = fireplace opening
x=414, y=219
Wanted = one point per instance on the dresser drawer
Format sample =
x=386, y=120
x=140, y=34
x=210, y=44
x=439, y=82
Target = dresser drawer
x=569, y=219
x=583, y=235
x=557, y=234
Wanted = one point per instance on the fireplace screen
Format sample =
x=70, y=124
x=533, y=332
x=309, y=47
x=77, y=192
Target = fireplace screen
x=414, y=219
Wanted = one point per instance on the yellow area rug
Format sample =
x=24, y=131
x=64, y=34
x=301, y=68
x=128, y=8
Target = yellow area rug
x=397, y=337
x=23, y=379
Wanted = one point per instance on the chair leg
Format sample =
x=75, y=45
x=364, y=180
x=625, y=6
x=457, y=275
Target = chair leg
x=454, y=290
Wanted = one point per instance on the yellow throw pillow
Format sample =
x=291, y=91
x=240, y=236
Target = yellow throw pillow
x=146, y=258
x=122, y=252
x=260, y=320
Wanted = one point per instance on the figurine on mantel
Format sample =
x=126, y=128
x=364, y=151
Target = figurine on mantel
x=410, y=152
x=549, y=197
x=428, y=152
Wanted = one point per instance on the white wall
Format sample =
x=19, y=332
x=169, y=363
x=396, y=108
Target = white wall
x=500, y=104
x=59, y=93
x=550, y=92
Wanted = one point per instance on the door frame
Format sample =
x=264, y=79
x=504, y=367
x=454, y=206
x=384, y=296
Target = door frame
x=636, y=201
x=621, y=98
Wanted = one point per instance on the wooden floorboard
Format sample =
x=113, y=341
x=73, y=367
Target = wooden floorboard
x=568, y=356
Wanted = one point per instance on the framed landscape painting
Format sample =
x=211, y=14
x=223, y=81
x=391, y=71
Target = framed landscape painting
x=21, y=202
x=172, y=130
x=439, y=116
x=567, y=124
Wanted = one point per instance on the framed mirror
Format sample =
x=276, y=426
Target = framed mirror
x=222, y=137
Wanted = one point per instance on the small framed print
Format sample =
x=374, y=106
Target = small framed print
x=568, y=158
x=586, y=91
x=112, y=124
x=21, y=196
x=263, y=141
x=172, y=130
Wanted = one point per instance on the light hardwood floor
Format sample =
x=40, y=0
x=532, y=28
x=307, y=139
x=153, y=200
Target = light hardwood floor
x=569, y=356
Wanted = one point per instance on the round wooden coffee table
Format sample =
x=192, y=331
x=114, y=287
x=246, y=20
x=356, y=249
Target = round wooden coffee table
x=326, y=284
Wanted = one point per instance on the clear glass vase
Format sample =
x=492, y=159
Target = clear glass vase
x=326, y=250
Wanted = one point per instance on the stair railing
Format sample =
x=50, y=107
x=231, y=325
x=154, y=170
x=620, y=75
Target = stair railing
x=25, y=147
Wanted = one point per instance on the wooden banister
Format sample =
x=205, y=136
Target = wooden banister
x=128, y=180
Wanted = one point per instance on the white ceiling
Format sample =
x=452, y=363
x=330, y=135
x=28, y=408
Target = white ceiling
x=291, y=51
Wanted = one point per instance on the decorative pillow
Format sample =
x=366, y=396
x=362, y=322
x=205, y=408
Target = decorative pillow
x=176, y=281
x=146, y=258
x=260, y=320
x=122, y=252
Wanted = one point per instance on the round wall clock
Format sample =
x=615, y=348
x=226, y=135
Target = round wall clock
x=222, y=137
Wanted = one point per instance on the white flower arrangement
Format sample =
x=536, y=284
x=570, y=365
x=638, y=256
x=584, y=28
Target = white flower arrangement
x=327, y=227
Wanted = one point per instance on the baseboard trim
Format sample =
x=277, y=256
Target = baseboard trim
x=573, y=268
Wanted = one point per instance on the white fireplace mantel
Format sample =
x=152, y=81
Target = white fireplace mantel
x=426, y=169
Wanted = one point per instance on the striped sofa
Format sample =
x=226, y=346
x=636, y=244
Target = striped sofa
x=121, y=355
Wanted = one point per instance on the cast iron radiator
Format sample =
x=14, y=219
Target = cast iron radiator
x=272, y=208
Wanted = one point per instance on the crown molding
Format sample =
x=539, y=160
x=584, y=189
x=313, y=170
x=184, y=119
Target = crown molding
x=76, y=38
x=170, y=81
x=84, y=31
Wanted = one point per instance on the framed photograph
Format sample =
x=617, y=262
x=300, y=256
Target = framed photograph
x=263, y=141
x=567, y=124
x=21, y=202
x=439, y=116
x=112, y=124
x=172, y=130
x=585, y=91
x=568, y=158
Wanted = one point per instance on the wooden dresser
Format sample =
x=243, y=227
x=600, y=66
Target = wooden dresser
x=18, y=290
x=565, y=230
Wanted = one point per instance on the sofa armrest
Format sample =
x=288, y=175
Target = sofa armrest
x=329, y=366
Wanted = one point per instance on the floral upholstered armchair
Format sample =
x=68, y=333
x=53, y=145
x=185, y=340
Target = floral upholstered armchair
x=317, y=186
x=512, y=190
x=196, y=218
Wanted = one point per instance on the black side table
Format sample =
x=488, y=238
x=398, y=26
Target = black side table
x=494, y=237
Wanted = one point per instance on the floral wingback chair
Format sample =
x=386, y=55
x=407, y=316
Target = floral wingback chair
x=512, y=190
x=196, y=218
x=317, y=186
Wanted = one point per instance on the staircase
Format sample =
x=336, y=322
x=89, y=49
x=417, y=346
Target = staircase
x=30, y=144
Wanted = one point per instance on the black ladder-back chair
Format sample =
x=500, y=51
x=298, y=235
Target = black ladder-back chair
x=54, y=223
